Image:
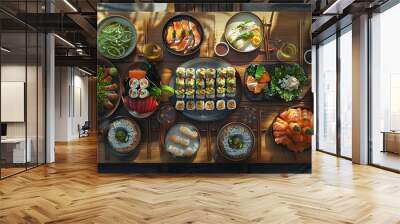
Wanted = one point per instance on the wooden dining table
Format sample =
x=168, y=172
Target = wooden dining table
x=280, y=27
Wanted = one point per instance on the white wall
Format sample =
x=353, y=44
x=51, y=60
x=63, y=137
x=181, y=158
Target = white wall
x=71, y=102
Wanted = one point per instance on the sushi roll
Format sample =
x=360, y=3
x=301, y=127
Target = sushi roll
x=180, y=93
x=190, y=105
x=180, y=105
x=133, y=83
x=144, y=83
x=231, y=82
x=190, y=93
x=231, y=91
x=133, y=93
x=200, y=105
x=221, y=92
x=210, y=93
x=210, y=83
x=231, y=104
x=189, y=82
x=209, y=105
x=230, y=72
x=221, y=82
x=201, y=73
x=180, y=72
x=200, y=83
x=210, y=73
x=200, y=93
x=221, y=72
x=143, y=93
x=221, y=105
x=179, y=82
x=190, y=73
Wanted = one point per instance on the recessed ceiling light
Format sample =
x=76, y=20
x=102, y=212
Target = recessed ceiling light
x=5, y=50
x=64, y=40
x=70, y=5
x=84, y=71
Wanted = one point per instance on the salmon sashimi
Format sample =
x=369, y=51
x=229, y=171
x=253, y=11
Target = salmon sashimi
x=196, y=34
x=170, y=35
x=183, y=36
x=137, y=74
x=283, y=140
x=294, y=129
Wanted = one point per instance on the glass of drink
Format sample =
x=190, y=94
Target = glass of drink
x=152, y=52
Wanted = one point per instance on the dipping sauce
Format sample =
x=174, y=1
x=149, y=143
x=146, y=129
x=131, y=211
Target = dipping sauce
x=221, y=49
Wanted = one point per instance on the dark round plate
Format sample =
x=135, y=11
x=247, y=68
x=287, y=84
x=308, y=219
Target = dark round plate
x=180, y=17
x=130, y=149
x=242, y=131
x=276, y=117
x=262, y=97
x=205, y=115
x=152, y=76
x=105, y=113
x=124, y=21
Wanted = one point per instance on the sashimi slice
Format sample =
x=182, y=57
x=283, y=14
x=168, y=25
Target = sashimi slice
x=196, y=34
x=170, y=35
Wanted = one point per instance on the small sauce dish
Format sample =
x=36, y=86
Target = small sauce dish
x=221, y=49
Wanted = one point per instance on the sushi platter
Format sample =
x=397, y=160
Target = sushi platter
x=216, y=94
x=207, y=89
x=141, y=90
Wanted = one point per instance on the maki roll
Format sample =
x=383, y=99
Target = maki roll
x=209, y=105
x=190, y=105
x=144, y=83
x=221, y=82
x=221, y=105
x=210, y=83
x=190, y=93
x=179, y=82
x=180, y=93
x=189, y=82
x=180, y=72
x=230, y=72
x=180, y=105
x=143, y=93
x=201, y=73
x=200, y=93
x=210, y=93
x=200, y=105
x=200, y=84
x=221, y=92
x=221, y=72
x=133, y=93
x=190, y=72
x=134, y=83
x=231, y=104
x=210, y=73
x=231, y=82
x=231, y=91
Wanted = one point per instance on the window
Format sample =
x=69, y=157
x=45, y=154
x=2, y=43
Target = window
x=385, y=89
x=346, y=95
x=326, y=102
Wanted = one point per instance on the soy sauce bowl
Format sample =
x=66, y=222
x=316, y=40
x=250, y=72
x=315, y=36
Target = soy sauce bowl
x=221, y=49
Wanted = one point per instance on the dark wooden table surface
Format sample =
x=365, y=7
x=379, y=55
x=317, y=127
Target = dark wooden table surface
x=289, y=27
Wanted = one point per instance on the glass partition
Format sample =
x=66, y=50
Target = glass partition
x=22, y=90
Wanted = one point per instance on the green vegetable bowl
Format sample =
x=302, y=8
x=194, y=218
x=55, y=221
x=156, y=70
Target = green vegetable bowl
x=116, y=37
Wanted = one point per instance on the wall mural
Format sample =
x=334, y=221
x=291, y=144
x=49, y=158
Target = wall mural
x=208, y=91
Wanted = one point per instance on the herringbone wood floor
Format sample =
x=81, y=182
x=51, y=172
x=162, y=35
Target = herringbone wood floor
x=71, y=191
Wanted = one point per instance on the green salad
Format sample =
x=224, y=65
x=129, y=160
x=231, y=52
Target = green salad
x=287, y=82
x=115, y=39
